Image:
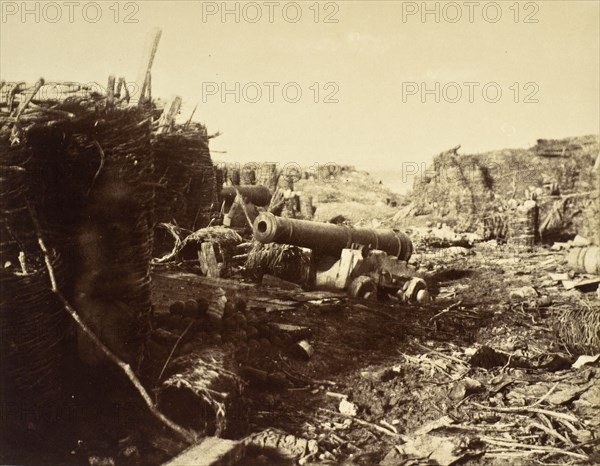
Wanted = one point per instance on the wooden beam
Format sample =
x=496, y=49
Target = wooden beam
x=148, y=95
x=29, y=97
x=212, y=451
x=147, y=63
x=189, y=122
x=168, y=115
x=110, y=90
x=208, y=260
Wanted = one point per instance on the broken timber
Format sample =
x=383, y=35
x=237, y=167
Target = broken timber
x=212, y=451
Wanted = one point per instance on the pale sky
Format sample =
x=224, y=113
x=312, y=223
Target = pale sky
x=370, y=55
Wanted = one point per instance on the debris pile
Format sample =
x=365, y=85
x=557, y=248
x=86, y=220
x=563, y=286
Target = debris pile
x=188, y=246
x=504, y=408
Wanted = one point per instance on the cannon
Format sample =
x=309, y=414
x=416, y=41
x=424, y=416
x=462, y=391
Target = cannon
x=329, y=239
x=364, y=261
x=256, y=194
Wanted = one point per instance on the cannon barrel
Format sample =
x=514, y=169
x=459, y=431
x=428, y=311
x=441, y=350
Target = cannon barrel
x=257, y=194
x=328, y=239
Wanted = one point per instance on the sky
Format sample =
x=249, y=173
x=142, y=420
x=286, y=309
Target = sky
x=383, y=84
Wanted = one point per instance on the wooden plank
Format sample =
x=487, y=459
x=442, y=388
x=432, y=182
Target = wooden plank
x=212, y=451
x=583, y=284
x=348, y=262
x=337, y=276
x=208, y=261
x=315, y=295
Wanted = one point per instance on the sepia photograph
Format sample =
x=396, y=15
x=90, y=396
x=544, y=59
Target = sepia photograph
x=299, y=233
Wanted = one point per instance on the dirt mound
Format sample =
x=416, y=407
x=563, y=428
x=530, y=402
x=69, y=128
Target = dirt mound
x=357, y=195
x=466, y=189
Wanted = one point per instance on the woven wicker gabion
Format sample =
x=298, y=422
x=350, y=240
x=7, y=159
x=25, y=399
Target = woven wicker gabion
x=523, y=225
x=90, y=173
x=102, y=216
x=17, y=233
x=33, y=325
x=186, y=179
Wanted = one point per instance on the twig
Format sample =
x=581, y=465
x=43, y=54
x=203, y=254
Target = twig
x=340, y=396
x=545, y=396
x=100, y=166
x=507, y=363
x=529, y=410
x=497, y=427
x=302, y=378
x=386, y=424
x=433, y=364
x=545, y=420
x=189, y=436
x=464, y=400
x=362, y=423
x=174, y=348
x=569, y=426
x=525, y=446
x=448, y=309
x=170, y=255
x=551, y=432
x=585, y=444
x=439, y=353
x=503, y=453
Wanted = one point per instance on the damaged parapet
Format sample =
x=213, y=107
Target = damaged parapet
x=328, y=239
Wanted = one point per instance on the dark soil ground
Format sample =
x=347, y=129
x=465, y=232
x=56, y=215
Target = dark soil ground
x=402, y=365
x=396, y=367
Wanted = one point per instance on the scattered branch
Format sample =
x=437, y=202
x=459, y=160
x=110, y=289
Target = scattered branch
x=529, y=410
x=448, y=309
x=362, y=423
x=174, y=348
x=537, y=448
x=188, y=436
